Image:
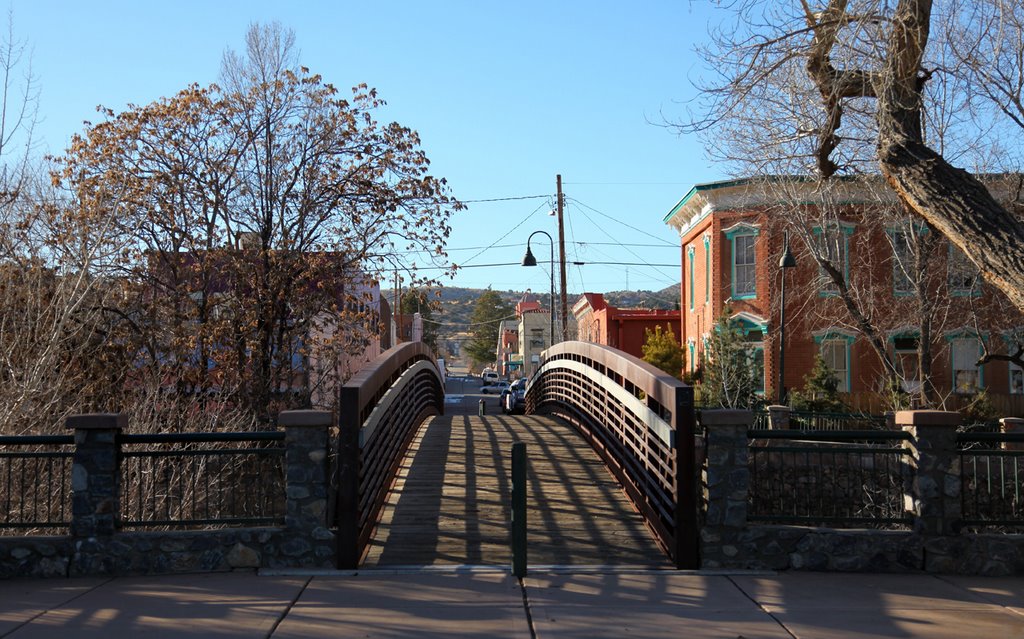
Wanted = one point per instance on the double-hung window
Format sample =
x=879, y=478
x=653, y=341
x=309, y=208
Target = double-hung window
x=693, y=279
x=902, y=263
x=743, y=238
x=962, y=274
x=832, y=245
x=744, y=266
x=905, y=357
x=707, y=269
x=964, y=354
x=836, y=353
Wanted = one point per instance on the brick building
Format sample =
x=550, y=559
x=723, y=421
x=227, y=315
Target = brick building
x=731, y=237
x=625, y=329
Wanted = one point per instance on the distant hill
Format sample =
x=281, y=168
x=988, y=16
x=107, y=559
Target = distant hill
x=455, y=304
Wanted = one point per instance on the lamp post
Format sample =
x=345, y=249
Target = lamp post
x=786, y=261
x=530, y=260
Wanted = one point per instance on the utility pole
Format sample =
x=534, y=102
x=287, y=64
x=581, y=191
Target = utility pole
x=398, y=308
x=561, y=261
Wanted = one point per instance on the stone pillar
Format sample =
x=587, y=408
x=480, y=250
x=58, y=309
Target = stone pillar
x=727, y=481
x=96, y=474
x=309, y=540
x=932, y=490
x=778, y=417
x=1010, y=425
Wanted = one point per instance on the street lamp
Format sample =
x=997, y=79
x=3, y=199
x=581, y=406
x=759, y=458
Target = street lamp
x=786, y=261
x=530, y=260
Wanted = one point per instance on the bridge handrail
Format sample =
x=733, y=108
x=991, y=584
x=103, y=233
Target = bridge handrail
x=380, y=409
x=640, y=420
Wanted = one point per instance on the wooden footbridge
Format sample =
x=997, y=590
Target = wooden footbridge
x=603, y=436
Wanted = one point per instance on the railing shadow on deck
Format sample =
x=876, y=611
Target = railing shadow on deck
x=380, y=410
x=640, y=421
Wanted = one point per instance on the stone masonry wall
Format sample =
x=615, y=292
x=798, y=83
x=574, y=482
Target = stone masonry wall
x=97, y=546
x=934, y=544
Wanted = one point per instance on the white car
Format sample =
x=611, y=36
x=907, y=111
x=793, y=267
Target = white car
x=494, y=387
x=489, y=377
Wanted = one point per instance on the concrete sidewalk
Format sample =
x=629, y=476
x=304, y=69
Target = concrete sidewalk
x=491, y=603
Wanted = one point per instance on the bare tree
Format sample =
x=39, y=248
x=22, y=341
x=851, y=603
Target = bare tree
x=254, y=217
x=842, y=87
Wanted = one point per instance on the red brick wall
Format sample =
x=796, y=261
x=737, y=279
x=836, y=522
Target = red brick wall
x=808, y=312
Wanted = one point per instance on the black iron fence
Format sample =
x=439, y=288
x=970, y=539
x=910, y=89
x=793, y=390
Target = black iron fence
x=35, y=483
x=202, y=480
x=834, y=478
x=816, y=420
x=992, y=481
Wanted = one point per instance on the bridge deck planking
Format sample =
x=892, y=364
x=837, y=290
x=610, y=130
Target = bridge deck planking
x=450, y=504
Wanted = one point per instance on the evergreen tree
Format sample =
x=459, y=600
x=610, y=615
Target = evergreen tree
x=490, y=309
x=820, y=391
x=662, y=349
x=728, y=374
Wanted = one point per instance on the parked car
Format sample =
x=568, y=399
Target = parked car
x=495, y=388
x=514, y=401
x=489, y=376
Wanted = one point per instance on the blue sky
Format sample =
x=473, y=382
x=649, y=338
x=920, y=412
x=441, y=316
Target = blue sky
x=504, y=95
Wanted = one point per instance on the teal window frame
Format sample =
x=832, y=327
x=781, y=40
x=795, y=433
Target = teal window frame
x=1010, y=339
x=707, y=269
x=898, y=273
x=692, y=346
x=830, y=337
x=689, y=254
x=756, y=354
x=847, y=230
x=908, y=385
x=755, y=349
x=955, y=254
x=952, y=339
x=744, y=231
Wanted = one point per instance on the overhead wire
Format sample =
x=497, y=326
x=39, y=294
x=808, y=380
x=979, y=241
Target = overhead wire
x=628, y=250
x=494, y=321
x=618, y=221
x=505, y=199
x=578, y=271
x=509, y=232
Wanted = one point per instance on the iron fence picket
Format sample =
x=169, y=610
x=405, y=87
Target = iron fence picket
x=171, y=482
x=36, y=479
x=827, y=478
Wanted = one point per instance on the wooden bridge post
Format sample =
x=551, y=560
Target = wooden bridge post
x=519, y=509
x=347, y=480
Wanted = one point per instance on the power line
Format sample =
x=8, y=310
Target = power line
x=629, y=183
x=467, y=324
x=663, y=241
x=577, y=242
x=569, y=262
x=610, y=236
x=506, y=199
x=523, y=221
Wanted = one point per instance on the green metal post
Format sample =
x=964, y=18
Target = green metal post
x=519, y=509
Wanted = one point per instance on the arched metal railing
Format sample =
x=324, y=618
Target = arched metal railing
x=641, y=421
x=380, y=410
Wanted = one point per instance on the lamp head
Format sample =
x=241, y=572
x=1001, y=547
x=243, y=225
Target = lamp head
x=529, y=259
x=787, y=260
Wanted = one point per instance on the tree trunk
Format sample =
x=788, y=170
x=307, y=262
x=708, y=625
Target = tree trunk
x=950, y=199
x=962, y=209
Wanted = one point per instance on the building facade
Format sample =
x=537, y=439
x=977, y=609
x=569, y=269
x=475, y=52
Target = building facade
x=624, y=329
x=876, y=294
